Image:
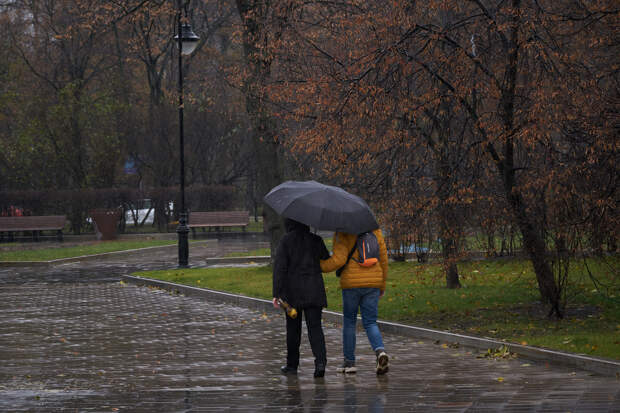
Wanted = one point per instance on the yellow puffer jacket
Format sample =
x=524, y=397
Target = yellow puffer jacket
x=354, y=275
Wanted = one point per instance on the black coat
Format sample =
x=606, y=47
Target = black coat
x=297, y=276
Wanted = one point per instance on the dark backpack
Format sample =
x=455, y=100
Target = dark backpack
x=367, y=247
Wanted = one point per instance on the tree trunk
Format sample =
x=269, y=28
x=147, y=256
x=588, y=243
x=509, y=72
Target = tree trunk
x=537, y=252
x=448, y=217
x=448, y=247
x=256, y=38
x=266, y=153
x=452, y=276
x=532, y=240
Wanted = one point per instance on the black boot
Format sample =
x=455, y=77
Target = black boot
x=288, y=370
x=319, y=368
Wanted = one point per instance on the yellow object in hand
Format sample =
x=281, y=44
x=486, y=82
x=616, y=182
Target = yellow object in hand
x=287, y=307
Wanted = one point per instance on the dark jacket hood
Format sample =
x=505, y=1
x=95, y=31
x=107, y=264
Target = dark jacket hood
x=292, y=225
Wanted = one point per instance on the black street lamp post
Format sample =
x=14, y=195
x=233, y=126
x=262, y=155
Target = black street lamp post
x=187, y=42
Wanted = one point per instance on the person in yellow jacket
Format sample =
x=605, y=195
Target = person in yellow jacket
x=361, y=289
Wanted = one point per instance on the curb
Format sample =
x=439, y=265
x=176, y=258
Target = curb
x=601, y=366
x=90, y=257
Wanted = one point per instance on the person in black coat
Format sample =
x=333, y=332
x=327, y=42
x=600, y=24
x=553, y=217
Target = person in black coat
x=297, y=279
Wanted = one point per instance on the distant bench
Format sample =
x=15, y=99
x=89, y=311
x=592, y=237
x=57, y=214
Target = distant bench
x=34, y=224
x=217, y=219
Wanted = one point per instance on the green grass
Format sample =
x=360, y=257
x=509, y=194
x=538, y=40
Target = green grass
x=267, y=251
x=100, y=247
x=251, y=253
x=499, y=299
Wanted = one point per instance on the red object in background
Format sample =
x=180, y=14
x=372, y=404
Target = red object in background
x=13, y=211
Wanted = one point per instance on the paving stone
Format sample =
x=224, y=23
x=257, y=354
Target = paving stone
x=72, y=338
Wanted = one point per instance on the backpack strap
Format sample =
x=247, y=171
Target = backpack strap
x=341, y=269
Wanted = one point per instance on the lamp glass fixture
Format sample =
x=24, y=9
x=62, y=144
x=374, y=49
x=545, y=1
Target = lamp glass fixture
x=189, y=40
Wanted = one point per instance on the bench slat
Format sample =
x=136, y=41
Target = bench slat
x=219, y=219
x=33, y=223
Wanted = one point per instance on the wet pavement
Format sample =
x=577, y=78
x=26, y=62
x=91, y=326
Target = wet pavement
x=73, y=338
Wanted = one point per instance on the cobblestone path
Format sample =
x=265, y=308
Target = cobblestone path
x=73, y=338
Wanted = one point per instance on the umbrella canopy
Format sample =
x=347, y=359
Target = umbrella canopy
x=322, y=206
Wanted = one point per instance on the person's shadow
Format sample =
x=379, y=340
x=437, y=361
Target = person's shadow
x=293, y=394
x=379, y=399
x=375, y=398
x=350, y=396
x=319, y=397
x=294, y=399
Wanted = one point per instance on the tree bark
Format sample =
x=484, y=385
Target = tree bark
x=532, y=240
x=535, y=247
x=448, y=247
x=256, y=37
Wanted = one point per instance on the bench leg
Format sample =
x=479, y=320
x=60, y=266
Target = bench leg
x=194, y=233
x=35, y=235
x=59, y=235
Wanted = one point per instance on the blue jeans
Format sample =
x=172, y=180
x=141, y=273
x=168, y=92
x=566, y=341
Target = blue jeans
x=367, y=300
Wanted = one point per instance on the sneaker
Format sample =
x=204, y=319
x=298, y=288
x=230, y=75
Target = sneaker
x=382, y=362
x=348, y=367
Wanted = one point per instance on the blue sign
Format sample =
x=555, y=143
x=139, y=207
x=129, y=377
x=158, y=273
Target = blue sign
x=130, y=167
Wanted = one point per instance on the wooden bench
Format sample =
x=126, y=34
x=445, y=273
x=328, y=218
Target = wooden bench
x=218, y=219
x=34, y=224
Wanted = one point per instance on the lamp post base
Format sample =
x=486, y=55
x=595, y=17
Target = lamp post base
x=182, y=231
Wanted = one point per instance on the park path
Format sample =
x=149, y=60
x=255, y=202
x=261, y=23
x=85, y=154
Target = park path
x=73, y=338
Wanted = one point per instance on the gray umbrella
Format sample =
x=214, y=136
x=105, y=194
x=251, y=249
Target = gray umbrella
x=322, y=206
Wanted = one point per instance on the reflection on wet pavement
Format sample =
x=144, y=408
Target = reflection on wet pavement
x=74, y=338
